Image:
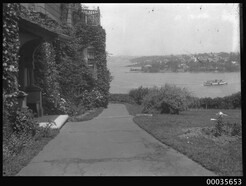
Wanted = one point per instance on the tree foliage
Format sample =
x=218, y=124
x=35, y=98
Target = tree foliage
x=167, y=99
x=138, y=94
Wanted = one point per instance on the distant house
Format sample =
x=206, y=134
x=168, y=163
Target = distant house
x=32, y=35
x=146, y=68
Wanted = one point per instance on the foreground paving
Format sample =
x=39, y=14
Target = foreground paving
x=109, y=145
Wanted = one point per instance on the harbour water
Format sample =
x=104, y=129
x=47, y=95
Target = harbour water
x=124, y=80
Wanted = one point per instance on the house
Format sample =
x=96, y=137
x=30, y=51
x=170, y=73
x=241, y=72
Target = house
x=146, y=68
x=32, y=35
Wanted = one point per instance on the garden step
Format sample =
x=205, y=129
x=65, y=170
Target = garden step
x=59, y=122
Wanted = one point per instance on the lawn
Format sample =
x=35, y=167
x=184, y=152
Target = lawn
x=221, y=155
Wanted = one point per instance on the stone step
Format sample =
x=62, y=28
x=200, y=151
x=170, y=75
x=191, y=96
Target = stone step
x=58, y=122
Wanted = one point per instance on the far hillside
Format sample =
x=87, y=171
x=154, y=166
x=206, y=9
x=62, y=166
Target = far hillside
x=202, y=62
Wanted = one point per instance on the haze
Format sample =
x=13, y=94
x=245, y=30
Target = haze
x=163, y=29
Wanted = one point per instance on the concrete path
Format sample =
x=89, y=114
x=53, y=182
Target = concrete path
x=109, y=145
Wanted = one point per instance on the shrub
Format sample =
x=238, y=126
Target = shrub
x=22, y=121
x=14, y=144
x=194, y=103
x=222, y=127
x=152, y=100
x=232, y=129
x=138, y=94
x=228, y=102
x=167, y=99
x=235, y=100
x=44, y=132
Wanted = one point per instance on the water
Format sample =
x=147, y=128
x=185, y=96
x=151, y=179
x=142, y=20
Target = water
x=124, y=80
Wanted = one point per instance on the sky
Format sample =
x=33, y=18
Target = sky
x=163, y=29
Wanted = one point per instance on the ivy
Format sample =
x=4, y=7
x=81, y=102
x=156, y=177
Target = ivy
x=46, y=77
x=95, y=36
x=11, y=46
x=44, y=21
x=60, y=70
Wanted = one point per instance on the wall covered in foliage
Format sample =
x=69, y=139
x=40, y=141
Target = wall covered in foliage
x=60, y=71
x=46, y=77
x=95, y=36
x=10, y=58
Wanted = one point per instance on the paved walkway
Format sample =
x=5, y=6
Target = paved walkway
x=109, y=145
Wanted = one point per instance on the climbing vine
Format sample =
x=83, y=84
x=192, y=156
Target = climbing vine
x=95, y=36
x=60, y=71
x=45, y=21
x=11, y=46
x=46, y=77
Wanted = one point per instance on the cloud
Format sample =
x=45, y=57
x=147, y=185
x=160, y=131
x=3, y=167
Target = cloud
x=234, y=20
x=229, y=17
x=199, y=16
x=177, y=17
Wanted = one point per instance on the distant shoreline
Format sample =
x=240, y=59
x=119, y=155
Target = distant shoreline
x=170, y=71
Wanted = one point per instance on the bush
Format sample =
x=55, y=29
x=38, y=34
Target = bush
x=44, y=132
x=235, y=100
x=167, y=99
x=232, y=129
x=138, y=94
x=14, y=144
x=222, y=127
x=22, y=121
x=228, y=102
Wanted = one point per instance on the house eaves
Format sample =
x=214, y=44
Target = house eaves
x=41, y=31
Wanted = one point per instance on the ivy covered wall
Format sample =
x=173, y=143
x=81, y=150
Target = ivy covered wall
x=60, y=70
x=95, y=36
x=10, y=58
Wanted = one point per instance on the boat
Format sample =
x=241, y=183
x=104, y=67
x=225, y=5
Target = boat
x=215, y=82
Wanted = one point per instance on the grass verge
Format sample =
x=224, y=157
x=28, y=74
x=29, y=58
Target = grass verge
x=224, y=159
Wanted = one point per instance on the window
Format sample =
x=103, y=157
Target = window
x=90, y=53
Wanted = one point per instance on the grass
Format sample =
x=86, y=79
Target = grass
x=12, y=165
x=223, y=159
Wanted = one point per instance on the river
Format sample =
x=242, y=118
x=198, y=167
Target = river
x=124, y=80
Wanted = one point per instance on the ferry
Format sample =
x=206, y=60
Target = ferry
x=215, y=82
